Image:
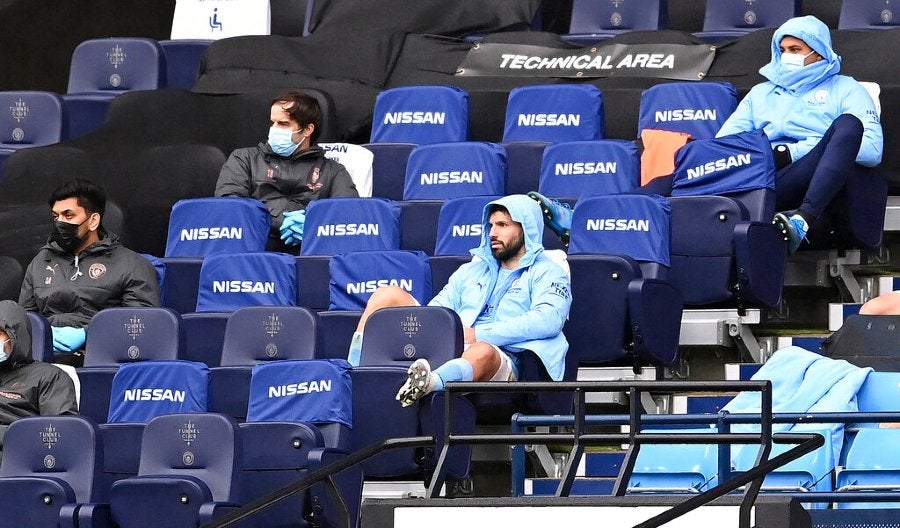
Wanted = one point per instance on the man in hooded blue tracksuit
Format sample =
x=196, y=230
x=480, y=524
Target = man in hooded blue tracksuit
x=823, y=127
x=512, y=297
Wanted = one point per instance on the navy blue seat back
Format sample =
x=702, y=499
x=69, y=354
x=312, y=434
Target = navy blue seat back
x=356, y=275
x=183, y=58
x=730, y=19
x=232, y=281
x=398, y=336
x=554, y=112
x=340, y=225
x=203, y=226
x=582, y=168
x=451, y=170
x=460, y=225
x=144, y=390
x=115, y=65
x=596, y=20
x=32, y=118
x=389, y=168
x=867, y=14
x=41, y=338
x=698, y=109
x=421, y=115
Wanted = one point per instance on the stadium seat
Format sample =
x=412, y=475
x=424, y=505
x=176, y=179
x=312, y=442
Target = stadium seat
x=724, y=246
x=460, y=225
x=119, y=336
x=576, y=169
x=146, y=389
x=231, y=281
x=51, y=472
x=257, y=334
x=288, y=433
x=183, y=59
x=450, y=170
x=340, y=225
x=523, y=165
x=338, y=327
x=395, y=337
x=358, y=162
x=620, y=252
x=879, y=393
x=596, y=20
x=31, y=119
x=869, y=466
x=421, y=115
x=190, y=473
x=867, y=14
x=698, y=109
x=674, y=468
x=389, y=168
x=812, y=472
x=101, y=69
x=41, y=338
x=553, y=113
x=731, y=19
x=356, y=275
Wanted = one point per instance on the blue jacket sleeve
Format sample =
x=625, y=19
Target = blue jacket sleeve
x=550, y=301
x=859, y=103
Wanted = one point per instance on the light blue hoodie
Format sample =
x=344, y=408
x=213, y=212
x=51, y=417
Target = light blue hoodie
x=797, y=107
x=532, y=312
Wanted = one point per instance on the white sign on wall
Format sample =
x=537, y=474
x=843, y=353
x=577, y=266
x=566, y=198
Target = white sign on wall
x=217, y=19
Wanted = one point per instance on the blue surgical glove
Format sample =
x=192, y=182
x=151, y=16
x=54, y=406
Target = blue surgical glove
x=67, y=338
x=292, y=227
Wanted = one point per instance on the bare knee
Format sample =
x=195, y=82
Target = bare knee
x=885, y=304
x=484, y=359
x=385, y=297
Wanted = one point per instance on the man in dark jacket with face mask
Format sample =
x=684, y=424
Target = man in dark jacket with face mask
x=83, y=269
x=27, y=387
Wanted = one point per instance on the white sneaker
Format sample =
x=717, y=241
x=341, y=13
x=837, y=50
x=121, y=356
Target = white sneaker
x=419, y=382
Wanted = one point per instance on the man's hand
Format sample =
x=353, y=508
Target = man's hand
x=67, y=338
x=468, y=335
x=292, y=227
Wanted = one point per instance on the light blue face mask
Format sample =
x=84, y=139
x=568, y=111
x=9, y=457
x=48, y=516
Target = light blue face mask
x=280, y=141
x=3, y=355
x=794, y=61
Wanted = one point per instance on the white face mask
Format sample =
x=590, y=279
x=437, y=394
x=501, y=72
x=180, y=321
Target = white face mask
x=3, y=355
x=794, y=61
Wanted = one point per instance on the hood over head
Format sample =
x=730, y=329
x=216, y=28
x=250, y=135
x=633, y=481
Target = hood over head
x=14, y=321
x=817, y=36
x=523, y=210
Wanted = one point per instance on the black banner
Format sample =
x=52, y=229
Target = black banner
x=686, y=62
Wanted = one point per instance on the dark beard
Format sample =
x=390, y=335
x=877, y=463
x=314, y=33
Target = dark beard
x=505, y=253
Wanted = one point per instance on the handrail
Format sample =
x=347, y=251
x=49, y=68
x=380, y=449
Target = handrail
x=753, y=479
x=325, y=472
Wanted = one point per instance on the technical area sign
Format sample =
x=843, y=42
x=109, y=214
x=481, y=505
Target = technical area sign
x=685, y=62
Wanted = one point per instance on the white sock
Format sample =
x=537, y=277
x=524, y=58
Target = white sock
x=355, y=349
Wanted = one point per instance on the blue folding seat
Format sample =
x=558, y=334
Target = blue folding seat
x=421, y=115
x=675, y=468
x=356, y=275
x=51, y=472
x=257, y=334
x=867, y=14
x=698, y=109
x=203, y=226
x=724, y=246
x=450, y=170
x=871, y=466
x=731, y=19
x=576, y=169
x=597, y=20
x=811, y=472
x=341, y=225
x=31, y=119
x=102, y=69
x=231, y=281
x=523, y=164
x=190, y=473
x=299, y=418
x=620, y=252
x=554, y=113
x=394, y=338
x=183, y=57
x=338, y=327
x=118, y=336
x=41, y=338
x=442, y=171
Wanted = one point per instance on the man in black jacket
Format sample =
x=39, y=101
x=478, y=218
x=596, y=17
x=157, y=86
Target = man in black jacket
x=83, y=269
x=288, y=170
x=28, y=387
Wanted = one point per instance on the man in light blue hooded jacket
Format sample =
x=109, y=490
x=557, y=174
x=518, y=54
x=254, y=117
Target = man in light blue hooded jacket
x=510, y=298
x=823, y=126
